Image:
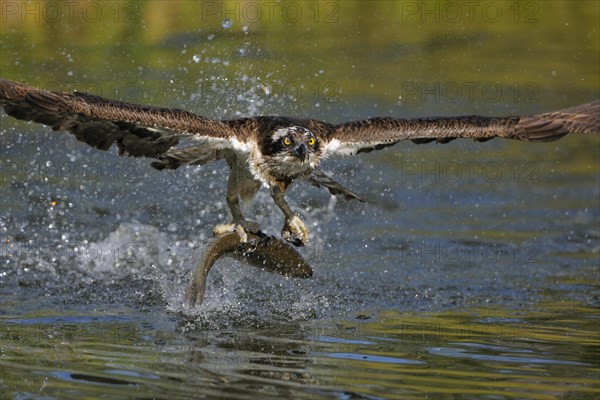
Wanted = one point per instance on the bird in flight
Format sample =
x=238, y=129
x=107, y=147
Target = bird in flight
x=266, y=150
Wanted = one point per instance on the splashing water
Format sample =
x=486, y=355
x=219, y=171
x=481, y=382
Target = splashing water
x=226, y=23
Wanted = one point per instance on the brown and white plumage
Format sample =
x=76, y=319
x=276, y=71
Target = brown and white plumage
x=255, y=148
x=137, y=130
x=374, y=133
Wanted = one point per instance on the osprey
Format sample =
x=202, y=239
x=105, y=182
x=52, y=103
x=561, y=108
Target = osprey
x=266, y=150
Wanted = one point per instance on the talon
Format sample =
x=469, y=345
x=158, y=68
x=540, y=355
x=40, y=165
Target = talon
x=242, y=232
x=242, y=228
x=295, y=232
x=250, y=226
x=222, y=229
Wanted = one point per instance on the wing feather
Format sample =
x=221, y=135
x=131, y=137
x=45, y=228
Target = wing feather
x=137, y=130
x=319, y=179
x=376, y=133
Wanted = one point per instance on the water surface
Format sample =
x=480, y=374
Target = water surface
x=471, y=270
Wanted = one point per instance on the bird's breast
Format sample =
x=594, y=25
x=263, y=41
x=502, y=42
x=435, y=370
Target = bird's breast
x=279, y=169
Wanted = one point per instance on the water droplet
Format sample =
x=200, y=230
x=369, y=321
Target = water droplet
x=227, y=22
x=196, y=58
x=211, y=36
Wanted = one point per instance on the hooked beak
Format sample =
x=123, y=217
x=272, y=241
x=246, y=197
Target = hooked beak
x=301, y=152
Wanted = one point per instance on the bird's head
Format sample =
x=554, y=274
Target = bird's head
x=295, y=144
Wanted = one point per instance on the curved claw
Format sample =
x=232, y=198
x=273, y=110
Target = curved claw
x=295, y=231
x=242, y=228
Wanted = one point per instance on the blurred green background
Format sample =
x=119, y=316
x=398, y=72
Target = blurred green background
x=328, y=59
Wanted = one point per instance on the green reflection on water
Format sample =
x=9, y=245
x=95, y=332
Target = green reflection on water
x=483, y=352
x=479, y=352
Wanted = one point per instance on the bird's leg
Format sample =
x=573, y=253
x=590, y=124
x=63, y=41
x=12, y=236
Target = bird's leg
x=238, y=184
x=294, y=230
x=240, y=224
x=233, y=201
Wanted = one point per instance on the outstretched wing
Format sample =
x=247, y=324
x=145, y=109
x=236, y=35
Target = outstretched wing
x=138, y=131
x=319, y=179
x=376, y=133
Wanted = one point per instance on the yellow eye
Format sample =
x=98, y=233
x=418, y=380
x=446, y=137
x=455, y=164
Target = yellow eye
x=287, y=141
x=311, y=141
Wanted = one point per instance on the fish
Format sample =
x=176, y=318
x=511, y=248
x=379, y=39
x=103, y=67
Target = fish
x=259, y=250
